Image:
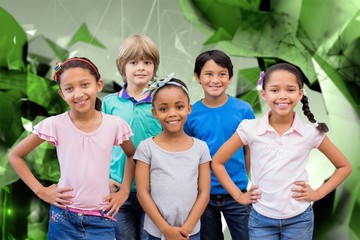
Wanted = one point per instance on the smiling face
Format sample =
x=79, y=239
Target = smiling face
x=171, y=106
x=139, y=73
x=282, y=92
x=79, y=89
x=214, y=79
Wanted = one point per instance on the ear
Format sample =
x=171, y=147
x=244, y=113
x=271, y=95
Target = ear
x=190, y=109
x=61, y=94
x=301, y=94
x=263, y=95
x=197, y=78
x=100, y=85
x=153, y=112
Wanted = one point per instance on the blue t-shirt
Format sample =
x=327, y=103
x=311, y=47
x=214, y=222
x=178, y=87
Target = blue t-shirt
x=215, y=126
x=141, y=121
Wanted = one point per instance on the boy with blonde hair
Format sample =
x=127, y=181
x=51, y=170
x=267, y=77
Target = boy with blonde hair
x=137, y=61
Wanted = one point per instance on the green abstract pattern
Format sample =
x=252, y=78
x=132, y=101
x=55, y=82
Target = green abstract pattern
x=321, y=37
x=27, y=97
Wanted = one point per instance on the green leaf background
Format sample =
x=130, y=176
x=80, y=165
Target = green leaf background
x=322, y=38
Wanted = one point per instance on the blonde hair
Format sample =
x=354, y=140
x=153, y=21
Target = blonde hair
x=136, y=47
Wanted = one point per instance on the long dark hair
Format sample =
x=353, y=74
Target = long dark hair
x=322, y=127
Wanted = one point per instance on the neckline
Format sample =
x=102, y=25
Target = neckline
x=82, y=132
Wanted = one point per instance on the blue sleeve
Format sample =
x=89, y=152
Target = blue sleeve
x=188, y=130
x=250, y=113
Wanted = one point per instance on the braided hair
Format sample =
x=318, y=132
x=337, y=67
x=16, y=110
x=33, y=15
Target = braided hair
x=322, y=127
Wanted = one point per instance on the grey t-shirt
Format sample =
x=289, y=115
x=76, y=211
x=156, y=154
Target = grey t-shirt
x=173, y=181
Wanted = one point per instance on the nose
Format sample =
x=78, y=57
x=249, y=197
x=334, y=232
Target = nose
x=78, y=93
x=171, y=112
x=140, y=66
x=282, y=95
x=215, y=79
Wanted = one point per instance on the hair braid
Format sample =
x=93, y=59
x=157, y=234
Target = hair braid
x=322, y=127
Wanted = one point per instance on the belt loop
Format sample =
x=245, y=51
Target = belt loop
x=67, y=211
x=102, y=214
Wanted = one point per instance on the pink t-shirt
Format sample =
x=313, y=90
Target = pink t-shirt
x=84, y=158
x=277, y=162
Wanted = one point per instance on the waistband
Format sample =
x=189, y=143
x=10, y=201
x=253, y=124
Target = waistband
x=224, y=196
x=98, y=213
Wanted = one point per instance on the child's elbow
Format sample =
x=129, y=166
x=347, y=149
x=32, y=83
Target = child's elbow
x=12, y=157
x=349, y=169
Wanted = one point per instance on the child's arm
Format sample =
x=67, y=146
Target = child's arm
x=117, y=199
x=343, y=170
x=218, y=167
x=201, y=201
x=52, y=194
x=142, y=176
x=247, y=159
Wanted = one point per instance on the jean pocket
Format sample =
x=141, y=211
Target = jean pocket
x=56, y=214
x=254, y=218
x=307, y=215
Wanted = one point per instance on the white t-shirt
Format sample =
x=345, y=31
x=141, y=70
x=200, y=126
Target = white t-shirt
x=277, y=162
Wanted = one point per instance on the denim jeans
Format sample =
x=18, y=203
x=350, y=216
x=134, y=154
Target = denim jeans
x=299, y=227
x=196, y=236
x=235, y=214
x=64, y=224
x=130, y=220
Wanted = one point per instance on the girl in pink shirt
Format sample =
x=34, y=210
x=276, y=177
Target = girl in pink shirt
x=81, y=204
x=280, y=144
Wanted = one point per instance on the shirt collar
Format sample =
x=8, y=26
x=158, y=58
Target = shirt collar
x=125, y=95
x=264, y=126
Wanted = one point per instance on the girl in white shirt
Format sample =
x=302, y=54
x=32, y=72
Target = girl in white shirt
x=280, y=144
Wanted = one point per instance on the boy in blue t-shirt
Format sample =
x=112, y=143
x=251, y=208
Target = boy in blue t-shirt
x=214, y=119
x=137, y=61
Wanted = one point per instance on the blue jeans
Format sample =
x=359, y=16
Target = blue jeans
x=196, y=236
x=235, y=214
x=64, y=224
x=299, y=227
x=130, y=220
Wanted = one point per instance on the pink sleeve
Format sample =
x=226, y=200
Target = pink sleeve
x=46, y=131
x=124, y=133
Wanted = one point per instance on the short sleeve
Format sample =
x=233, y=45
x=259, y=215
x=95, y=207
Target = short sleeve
x=243, y=130
x=124, y=132
x=318, y=138
x=188, y=130
x=250, y=113
x=205, y=152
x=46, y=131
x=143, y=152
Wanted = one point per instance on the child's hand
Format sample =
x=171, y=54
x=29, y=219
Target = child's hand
x=116, y=200
x=185, y=233
x=250, y=196
x=304, y=192
x=175, y=233
x=56, y=196
x=114, y=186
